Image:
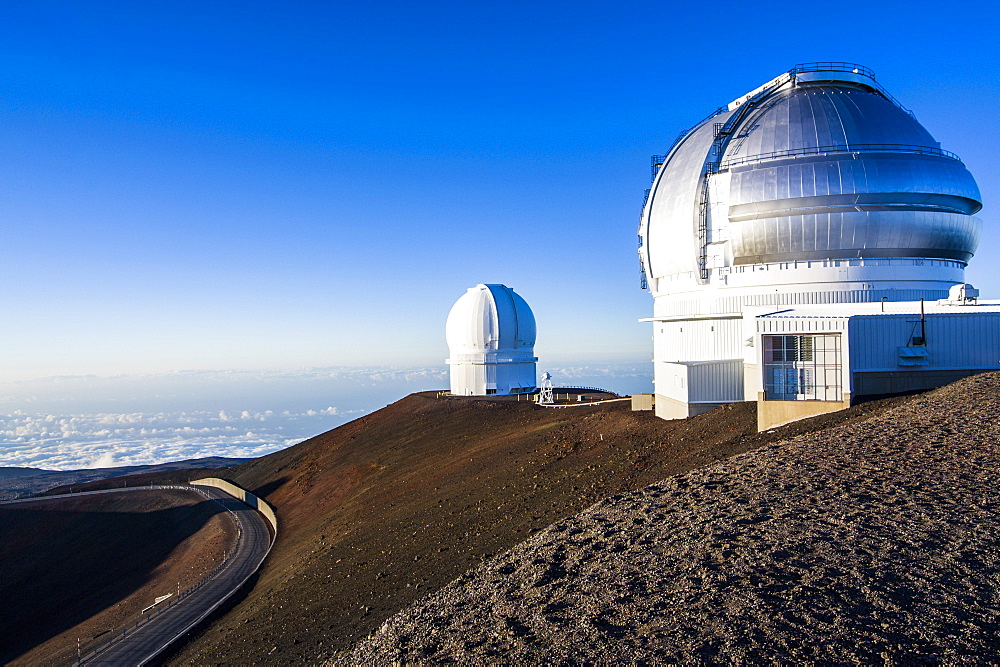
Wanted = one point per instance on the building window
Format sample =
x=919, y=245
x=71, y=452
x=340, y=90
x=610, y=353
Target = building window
x=802, y=368
x=788, y=348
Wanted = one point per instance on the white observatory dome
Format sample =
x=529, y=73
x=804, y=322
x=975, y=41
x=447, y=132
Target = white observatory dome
x=491, y=339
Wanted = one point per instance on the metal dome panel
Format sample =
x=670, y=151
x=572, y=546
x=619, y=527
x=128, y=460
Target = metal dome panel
x=515, y=319
x=491, y=337
x=490, y=318
x=670, y=223
x=471, y=326
x=814, y=169
x=855, y=234
x=816, y=187
x=824, y=114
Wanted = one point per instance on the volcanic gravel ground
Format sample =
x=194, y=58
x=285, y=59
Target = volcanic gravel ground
x=382, y=511
x=873, y=542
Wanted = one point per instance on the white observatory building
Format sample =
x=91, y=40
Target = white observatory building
x=806, y=244
x=491, y=341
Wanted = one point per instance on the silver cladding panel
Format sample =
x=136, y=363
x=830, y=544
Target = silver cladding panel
x=869, y=202
x=836, y=180
x=855, y=234
x=673, y=247
x=716, y=382
x=829, y=114
x=857, y=184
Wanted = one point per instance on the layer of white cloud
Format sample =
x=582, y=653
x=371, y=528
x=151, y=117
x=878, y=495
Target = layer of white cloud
x=100, y=440
x=63, y=423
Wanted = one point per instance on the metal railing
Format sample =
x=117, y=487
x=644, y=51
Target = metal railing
x=832, y=67
x=842, y=148
x=85, y=649
x=853, y=68
x=656, y=162
x=88, y=649
x=583, y=405
x=575, y=389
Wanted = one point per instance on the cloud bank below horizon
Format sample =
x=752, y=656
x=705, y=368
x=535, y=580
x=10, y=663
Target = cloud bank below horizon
x=103, y=440
x=65, y=423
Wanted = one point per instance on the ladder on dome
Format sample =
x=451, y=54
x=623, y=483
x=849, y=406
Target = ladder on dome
x=723, y=132
x=643, y=284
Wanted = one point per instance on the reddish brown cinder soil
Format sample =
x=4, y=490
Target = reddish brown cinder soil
x=875, y=542
x=381, y=511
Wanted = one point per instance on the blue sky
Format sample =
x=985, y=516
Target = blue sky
x=263, y=185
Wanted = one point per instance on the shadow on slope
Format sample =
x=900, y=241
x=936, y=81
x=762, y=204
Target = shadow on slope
x=66, y=561
x=166, y=476
x=34, y=481
x=380, y=511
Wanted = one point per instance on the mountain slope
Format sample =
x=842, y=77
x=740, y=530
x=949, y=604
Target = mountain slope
x=380, y=511
x=873, y=542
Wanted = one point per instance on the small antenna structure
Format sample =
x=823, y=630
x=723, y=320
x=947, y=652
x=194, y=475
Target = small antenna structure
x=545, y=395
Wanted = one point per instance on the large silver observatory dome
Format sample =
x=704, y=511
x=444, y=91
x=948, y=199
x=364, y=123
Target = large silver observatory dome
x=782, y=216
x=820, y=163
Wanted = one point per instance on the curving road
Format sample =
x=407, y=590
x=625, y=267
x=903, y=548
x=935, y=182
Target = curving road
x=140, y=644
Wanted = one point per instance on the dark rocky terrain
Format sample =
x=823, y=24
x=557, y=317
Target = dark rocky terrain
x=873, y=542
x=9, y=472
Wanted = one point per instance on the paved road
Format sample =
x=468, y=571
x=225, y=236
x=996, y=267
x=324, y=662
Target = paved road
x=140, y=644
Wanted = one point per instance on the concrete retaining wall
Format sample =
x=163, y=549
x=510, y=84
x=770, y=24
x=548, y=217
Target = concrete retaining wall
x=242, y=495
x=642, y=402
x=771, y=414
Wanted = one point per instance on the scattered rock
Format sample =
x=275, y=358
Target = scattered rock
x=872, y=542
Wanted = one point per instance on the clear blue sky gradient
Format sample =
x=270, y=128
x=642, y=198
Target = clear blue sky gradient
x=269, y=185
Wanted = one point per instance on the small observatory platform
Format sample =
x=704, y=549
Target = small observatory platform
x=491, y=343
x=806, y=244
